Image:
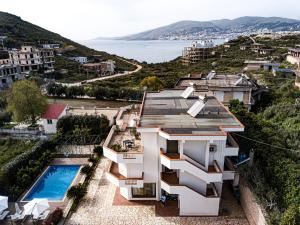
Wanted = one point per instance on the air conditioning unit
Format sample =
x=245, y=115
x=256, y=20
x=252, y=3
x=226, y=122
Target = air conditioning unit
x=212, y=148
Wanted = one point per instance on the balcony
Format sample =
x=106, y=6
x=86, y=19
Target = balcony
x=174, y=161
x=232, y=148
x=208, y=204
x=229, y=170
x=114, y=176
x=114, y=149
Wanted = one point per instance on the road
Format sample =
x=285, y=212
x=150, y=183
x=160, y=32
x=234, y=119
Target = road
x=139, y=67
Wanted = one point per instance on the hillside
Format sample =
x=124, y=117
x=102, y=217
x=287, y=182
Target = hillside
x=18, y=32
x=218, y=27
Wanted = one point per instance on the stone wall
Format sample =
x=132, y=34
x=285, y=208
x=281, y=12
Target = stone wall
x=252, y=209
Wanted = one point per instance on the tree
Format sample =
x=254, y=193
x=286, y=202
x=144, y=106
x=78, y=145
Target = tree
x=26, y=101
x=152, y=83
x=291, y=216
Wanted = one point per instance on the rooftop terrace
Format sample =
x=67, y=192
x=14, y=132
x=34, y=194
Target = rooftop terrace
x=168, y=110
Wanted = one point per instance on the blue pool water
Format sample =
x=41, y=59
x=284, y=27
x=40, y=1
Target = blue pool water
x=54, y=183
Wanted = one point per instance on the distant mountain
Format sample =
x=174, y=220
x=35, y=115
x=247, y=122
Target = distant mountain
x=217, y=27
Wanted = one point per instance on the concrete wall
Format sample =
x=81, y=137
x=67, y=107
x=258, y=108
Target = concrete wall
x=49, y=128
x=195, y=150
x=152, y=166
x=293, y=60
x=253, y=211
x=193, y=182
x=131, y=170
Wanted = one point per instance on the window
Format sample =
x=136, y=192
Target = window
x=148, y=191
x=238, y=95
x=49, y=121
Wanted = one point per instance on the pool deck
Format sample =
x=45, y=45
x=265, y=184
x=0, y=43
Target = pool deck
x=103, y=204
x=53, y=205
x=69, y=161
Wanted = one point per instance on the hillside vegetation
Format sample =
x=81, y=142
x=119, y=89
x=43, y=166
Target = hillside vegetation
x=19, y=32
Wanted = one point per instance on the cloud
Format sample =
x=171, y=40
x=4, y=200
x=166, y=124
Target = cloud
x=87, y=19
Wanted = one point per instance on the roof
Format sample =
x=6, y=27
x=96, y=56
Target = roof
x=169, y=111
x=284, y=70
x=54, y=111
x=295, y=49
x=256, y=62
x=218, y=81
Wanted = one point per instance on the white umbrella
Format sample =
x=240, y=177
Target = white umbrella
x=36, y=207
x=3, y=203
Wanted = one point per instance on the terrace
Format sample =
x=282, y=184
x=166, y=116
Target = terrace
x=115, y=177
x=123, y=144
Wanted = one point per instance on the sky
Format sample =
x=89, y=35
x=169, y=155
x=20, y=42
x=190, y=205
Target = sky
x=88, y=19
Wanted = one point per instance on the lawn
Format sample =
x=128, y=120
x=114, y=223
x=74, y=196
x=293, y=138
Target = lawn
x=10, y=148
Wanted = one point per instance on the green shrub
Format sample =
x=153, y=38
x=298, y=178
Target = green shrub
x=98, y=150
x=291, y=216
x=77, y=192
x=55, y=217
x=97, y=125
x=87, y=170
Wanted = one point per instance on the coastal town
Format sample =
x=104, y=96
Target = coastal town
x=88, y=137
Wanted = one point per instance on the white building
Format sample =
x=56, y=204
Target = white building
x=79, y=59
x=293, y=56
x=51, y=116
x=182, y=152
x=225, y=87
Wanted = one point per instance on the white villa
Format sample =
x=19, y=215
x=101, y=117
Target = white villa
x=182, y=151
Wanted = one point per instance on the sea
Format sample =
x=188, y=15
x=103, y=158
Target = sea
x=154, y=51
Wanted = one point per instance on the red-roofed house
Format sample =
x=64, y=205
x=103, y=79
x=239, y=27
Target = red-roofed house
x=51, y=116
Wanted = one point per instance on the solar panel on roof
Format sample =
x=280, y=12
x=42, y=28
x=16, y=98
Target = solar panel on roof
x=187, y=92
x=196, y=108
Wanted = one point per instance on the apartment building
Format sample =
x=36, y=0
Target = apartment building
x=198, y=51
x=8, y=74
x=293, y=56
x=31, y=58
x=225, y=87
x=180, y=150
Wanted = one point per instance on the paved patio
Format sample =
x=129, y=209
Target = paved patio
x=104, y=205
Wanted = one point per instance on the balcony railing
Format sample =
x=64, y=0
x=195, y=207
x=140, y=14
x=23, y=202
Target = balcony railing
x=114, y=176
x=174, y=161
x=121, y=156
x=232, y=148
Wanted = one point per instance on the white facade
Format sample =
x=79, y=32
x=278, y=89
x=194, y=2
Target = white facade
x=188, y=163
x=49, y=125
x=79, y=59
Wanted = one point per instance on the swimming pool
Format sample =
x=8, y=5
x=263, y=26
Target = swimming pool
x=54, y=183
